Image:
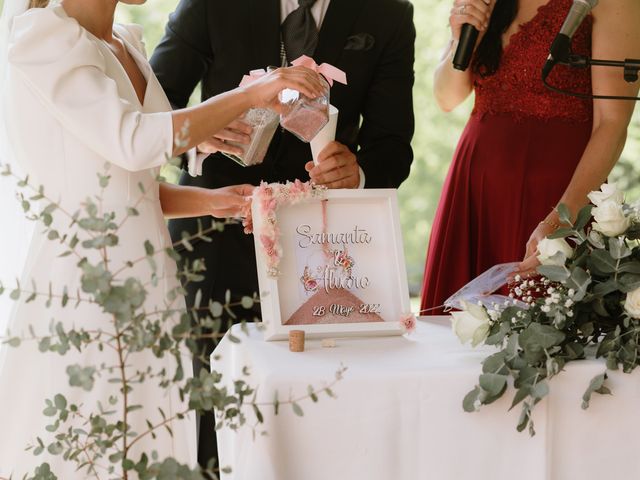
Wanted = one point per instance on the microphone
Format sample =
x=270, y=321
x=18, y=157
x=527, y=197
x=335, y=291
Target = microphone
x=561, y=46
x=468, y=38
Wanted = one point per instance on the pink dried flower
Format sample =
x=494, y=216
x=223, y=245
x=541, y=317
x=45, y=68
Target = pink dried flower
x=408, y=322
x=269, y=197
x=268, y=244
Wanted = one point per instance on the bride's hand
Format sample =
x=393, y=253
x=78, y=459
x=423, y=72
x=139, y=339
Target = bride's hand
x=230, y=202
x=237, y=132
x=264, y=91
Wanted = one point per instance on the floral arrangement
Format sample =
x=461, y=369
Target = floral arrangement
x=268, y=197
x=585, y=303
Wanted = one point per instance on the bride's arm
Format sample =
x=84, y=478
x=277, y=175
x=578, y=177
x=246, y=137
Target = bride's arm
x=615, y=36
x=182, y=201
x=68, y=75
x=204, y=120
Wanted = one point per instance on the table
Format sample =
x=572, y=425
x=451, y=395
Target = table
x=398, y=415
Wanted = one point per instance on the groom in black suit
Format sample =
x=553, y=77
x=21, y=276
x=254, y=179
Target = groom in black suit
x=216, y=42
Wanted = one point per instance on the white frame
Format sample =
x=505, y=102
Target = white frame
x=269, y=288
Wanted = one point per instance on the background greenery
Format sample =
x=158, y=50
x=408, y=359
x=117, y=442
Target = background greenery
x=436, y=132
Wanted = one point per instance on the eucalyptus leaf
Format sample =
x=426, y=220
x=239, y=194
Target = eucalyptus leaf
x=520, y=395
x=632, y=266
x=574, y=351
x=611, y=285
x=247, y=302
x=579, y=281
x=540, y=390
x=495, y=364
x=629, y=282
x=555, y=273
x=584, y=216
x=543, y=336
x=618, y=248
x=297, y=409
x=602, y=262
x=564, y=214
x=595, y=386
x=562, y=233
x=493, y=383
x=471, y=399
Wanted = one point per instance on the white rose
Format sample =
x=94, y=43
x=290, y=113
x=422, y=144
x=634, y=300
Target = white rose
x=608, y=191
x=632, y=303
x=610, y=218
x=471, y=324
x=548, y=248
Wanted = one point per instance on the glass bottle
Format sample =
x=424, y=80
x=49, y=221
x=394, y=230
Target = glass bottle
x=304, y=116
x=264, y=123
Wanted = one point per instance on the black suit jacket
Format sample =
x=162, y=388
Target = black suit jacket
x=216, y=42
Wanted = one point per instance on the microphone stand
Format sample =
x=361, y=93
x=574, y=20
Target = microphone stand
x=631, y=69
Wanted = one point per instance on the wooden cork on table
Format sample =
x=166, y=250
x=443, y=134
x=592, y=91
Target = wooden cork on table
x=296, y=340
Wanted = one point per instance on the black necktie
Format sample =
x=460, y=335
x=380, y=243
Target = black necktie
x=300, y=32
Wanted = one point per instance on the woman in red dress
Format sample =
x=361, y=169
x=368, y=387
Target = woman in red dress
x=524, y=149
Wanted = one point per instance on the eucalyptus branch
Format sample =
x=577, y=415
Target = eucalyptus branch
x=125, y=395
x=185, y=242
x=39, y=193
x=64, y=297
x=312, y=393
x=106, y=433
x=92, y=463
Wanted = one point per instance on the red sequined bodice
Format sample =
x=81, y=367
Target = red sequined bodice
x=516, y=88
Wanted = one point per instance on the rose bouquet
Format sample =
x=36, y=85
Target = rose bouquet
x=585, y=303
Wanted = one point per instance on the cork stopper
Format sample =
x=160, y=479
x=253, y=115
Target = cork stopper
x=296, y=340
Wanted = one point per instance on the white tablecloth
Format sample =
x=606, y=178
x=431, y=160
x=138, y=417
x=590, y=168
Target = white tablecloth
x=398, y=416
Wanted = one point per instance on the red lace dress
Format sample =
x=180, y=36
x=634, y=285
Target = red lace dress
x=514, y=160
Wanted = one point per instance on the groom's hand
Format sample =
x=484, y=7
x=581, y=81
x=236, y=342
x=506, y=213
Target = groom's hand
x=237, y=131
x=337, y=168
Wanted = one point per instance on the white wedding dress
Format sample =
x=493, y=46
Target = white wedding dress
x=71, y=109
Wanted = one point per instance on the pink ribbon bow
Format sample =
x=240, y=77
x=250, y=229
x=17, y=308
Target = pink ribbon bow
x=253, y=76
x=329, y=72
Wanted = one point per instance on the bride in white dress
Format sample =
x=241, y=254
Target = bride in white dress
x=79, y=94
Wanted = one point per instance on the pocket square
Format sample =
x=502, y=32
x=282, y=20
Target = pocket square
x=360, y=42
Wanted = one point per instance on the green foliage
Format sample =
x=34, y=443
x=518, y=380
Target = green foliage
x=578, y=310
x=98, y=439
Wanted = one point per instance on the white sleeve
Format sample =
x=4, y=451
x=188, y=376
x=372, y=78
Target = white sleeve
x=64, y=68
x=363, y=179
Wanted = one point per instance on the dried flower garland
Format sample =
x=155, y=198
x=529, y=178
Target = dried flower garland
x=269, y=197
